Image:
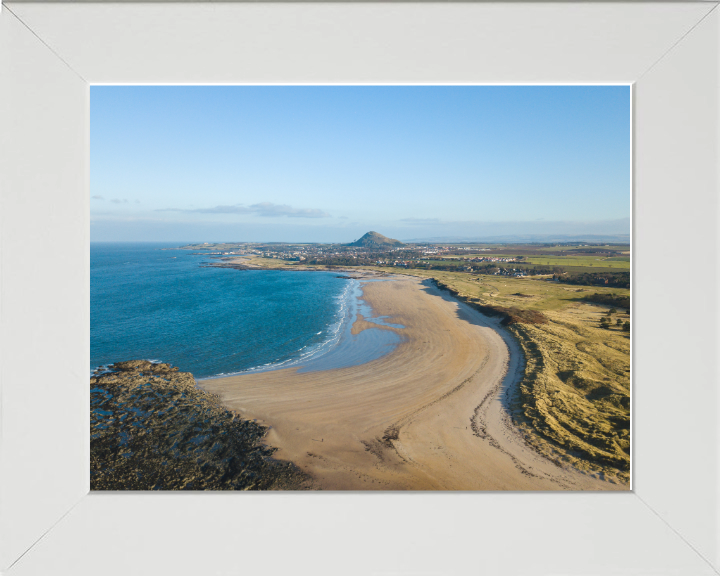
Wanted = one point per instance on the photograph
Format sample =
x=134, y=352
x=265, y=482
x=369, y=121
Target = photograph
x=360, y=287
x=371, y=263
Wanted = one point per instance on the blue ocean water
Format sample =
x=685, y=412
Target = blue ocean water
x=156, y=304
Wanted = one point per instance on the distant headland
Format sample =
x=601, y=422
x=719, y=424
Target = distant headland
x=375, y=240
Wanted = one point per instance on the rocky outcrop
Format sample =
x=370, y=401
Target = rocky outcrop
x=152, y=428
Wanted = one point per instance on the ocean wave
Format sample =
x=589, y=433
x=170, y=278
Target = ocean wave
x=347, y=303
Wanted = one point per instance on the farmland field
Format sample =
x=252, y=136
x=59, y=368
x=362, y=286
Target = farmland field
x=582, y=261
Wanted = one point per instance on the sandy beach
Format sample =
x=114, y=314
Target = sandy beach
x=430, y=415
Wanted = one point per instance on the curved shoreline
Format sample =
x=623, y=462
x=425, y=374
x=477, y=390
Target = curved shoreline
x=428, y=416
x=346, y=346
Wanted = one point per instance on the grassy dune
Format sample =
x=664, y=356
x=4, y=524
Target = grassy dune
x=270, y=263
x=574, y=401
x=576, y=390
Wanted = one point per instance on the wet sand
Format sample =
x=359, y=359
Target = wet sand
x=429, y=415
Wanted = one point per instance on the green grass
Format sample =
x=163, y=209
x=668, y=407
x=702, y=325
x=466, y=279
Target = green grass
x=501, y=290
x=574, y=398
x=579, y=269
x=615, y=263
x=570, y=263
x=481, y=255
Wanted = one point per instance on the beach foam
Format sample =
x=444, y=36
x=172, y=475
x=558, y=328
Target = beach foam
x=341, y=348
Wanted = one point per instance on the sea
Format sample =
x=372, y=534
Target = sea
x=152, y=301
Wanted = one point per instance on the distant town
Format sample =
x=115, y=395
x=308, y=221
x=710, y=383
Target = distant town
x=574, y=262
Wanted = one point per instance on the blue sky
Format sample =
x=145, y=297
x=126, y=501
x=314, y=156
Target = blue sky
x=329, y=163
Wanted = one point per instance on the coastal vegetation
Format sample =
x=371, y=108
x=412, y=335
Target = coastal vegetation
x=568, y=307
x=152, y=428
x=573, y=402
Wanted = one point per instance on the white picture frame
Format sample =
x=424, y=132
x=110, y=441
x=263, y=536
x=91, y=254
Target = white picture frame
x=50, y=53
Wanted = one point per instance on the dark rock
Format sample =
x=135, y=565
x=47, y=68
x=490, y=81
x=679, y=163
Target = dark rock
x=152, y=428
